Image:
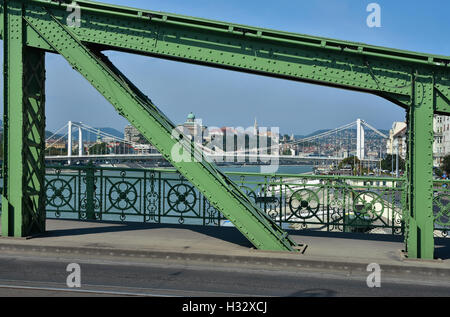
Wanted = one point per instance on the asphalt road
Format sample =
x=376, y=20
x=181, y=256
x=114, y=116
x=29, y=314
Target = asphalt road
x=32, y=276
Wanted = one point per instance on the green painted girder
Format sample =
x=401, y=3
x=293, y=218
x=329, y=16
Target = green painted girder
x=356, y=66
x=420, y=220
x=223, y=194
x=23, y=204
x=420, y=83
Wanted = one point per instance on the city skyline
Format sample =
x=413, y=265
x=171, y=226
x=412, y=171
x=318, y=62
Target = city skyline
x=282, y=133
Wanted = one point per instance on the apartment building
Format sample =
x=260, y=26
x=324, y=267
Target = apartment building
x=441, y=147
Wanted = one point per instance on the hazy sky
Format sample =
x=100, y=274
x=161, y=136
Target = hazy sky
x=225, y=98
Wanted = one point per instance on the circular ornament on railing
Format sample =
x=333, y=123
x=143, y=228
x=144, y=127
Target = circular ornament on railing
x=182, y=198
x=304, y=203
x=123, y=195
x=59, y=193
x=368, y=204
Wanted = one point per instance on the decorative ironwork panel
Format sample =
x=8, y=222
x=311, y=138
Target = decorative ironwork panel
x=122, y=194
x=152, y=193
x=353, y=204
x=441, y=208
x=62, y=191
x=296, y=202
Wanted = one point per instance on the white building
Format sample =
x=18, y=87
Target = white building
x=397, y=140
x=441, y=146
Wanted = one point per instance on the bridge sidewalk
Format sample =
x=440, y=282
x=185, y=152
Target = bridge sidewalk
x=195, y=245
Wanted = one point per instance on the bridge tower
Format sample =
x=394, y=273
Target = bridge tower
x=360, y=140
x=70, y=126
x=69, y=142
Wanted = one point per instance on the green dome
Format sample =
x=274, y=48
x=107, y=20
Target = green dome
x=191, y=116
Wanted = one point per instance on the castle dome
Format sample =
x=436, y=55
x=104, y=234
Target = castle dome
x=191, y=117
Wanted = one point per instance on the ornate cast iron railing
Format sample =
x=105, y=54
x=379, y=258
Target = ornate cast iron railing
x=164, y=196
x=331, y=203
x=441, y=207
x=328, y=203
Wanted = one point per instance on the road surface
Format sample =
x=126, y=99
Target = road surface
x=34, y=276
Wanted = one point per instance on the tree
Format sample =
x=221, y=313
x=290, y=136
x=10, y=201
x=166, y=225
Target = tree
x=287, y=152
x=391, y=162
x=438, y=172
x=51, y=151
x=99, y=148
x=352, y=161
x=446, y=164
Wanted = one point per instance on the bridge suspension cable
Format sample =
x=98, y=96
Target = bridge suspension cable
x=296, y=142
x=57, y=141
x=274, y=149
x=374, y=130
x=56, y=133
x=88, y=129
x=323, y=135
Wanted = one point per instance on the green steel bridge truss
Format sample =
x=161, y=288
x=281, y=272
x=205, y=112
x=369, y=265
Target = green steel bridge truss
x=419, y=83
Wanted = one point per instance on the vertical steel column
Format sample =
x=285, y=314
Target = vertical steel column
x=23, y=199
x=420, y=222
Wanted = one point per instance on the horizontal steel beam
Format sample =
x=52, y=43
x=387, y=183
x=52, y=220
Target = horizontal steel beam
x=355, y=66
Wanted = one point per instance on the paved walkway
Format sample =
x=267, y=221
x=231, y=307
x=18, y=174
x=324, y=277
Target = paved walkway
x=227, y=245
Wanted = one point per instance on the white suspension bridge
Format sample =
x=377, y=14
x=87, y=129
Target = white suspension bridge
x=316, y=148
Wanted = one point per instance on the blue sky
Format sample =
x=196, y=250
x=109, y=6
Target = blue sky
x=225, y=98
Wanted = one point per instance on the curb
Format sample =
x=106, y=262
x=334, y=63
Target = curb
x=259, y=261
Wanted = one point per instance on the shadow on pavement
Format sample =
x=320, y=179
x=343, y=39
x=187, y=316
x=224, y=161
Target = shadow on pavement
x=442, y=248
x=228, y=234
x=345, y=235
